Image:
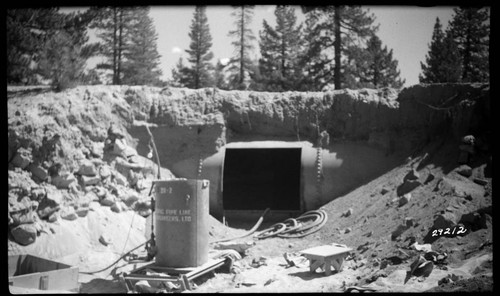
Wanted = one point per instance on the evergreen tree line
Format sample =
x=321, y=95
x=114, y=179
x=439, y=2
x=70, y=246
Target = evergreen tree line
x=336, y=47
x=461, y=53
x=46, y=44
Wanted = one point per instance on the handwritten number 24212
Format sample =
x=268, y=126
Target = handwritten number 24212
x=449, y=231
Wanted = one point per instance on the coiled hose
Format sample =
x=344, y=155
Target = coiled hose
x=294, y=227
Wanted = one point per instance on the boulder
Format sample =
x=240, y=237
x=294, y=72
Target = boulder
x=38, y=193
x=464, y=170
x=399, y=230
x=120, y=148
x=82, y=211
x=51, y=202
x=90, y=180
x=120, y=179
x=55, y=169
x=446, y=220
x=347, y=213
x=145, y=213
x=63, y=181
x=412, y=175
x=105, y=239
x=383, y=191
x=68, y=213
x=131, y=197
x=38, y=172
x=21, y=180
x=24, y=234
x=105, y=171
x=114, y=132
x=424, y=269
x=108, y=200
x=23, y=211
x=53, y=217
x=480, y=181
x=133, y=177
x=119, y=207
x=404, y=199
x=22, y=159
x=407, y=186
x=99, y=191
x=97, y=150
x=87, y=168
x=93, y=206
x=85, y=200
x=409, y=222
x=74, y=188
x=423, y=247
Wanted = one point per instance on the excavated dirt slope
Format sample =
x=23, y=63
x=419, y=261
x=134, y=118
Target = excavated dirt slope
x=79, y=179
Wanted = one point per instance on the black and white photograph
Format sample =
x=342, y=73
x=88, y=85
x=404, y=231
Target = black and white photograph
x=249, y=149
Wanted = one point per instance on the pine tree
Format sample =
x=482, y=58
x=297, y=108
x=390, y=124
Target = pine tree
x=141, y=59
x=181, y=75
x=338, y=28
x=443, y=62
x=30, y=33
x=112, y=24
x=470, y=29
x=61, y=61
x=241, y=64
x=374, y=67
x=280, y=51
x=313, y=61
x=199, y=50
x=220, y=77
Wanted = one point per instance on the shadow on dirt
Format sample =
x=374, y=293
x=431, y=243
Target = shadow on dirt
x=103, y=286
x=307, y=275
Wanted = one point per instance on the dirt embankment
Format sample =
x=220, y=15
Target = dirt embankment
x=198, y=122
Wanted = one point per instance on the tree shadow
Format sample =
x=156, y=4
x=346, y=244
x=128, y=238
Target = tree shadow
x=18, y=92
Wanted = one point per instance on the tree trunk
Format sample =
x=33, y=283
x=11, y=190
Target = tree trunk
x=337, y=47
x=115, y=49
x=120, y=48
x=242, y=51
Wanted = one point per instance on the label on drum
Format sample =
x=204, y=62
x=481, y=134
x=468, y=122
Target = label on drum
x=173, y=215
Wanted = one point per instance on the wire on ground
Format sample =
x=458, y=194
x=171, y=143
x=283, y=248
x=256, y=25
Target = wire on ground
x=296, y=227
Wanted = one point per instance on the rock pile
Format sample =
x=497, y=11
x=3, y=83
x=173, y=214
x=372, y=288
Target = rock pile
x=112, y=175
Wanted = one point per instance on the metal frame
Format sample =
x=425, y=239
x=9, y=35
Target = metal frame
x=182, y=276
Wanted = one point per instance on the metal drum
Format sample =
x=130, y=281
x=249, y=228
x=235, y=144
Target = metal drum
x=181, y=218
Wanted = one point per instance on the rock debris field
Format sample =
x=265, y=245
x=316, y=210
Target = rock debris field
x=81, y=169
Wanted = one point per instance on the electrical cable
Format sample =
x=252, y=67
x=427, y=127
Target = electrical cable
x=250, y=232
x=120, y=258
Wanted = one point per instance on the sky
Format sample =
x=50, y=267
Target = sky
x=407, y=30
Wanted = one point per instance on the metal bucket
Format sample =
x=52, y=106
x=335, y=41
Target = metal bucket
x=181, y=218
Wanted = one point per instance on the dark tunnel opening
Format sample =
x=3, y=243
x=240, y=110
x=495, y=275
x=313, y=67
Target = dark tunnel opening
x=258, y=178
